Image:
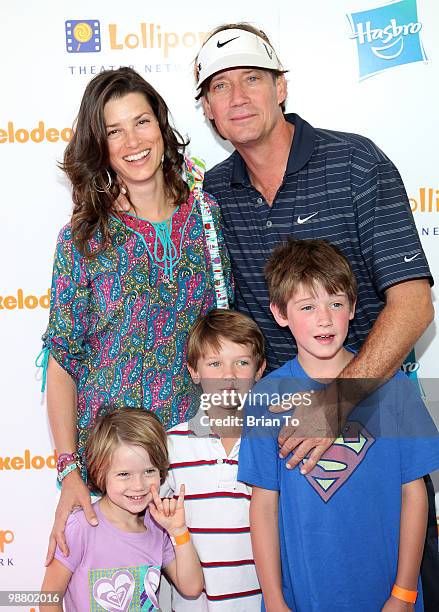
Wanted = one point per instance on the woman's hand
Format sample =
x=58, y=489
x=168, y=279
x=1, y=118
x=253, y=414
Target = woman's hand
x=74, y=494
x=169, y=512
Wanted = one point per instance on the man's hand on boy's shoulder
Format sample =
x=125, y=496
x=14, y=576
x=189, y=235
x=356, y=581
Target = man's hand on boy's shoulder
x=311, y=429
x=319, y=419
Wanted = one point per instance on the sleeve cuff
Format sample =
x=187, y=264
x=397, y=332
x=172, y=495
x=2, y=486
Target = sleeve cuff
x=257, y=480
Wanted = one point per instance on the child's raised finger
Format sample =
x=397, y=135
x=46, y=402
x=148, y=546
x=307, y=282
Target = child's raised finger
x=153, y=511
x=166, y=505
x=156, y=499
x=180, y=500
x=172, y=506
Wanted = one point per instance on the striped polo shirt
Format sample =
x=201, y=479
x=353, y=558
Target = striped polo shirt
x=339, y=187
x=217, y=515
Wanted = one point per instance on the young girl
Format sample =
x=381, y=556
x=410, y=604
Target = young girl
x=116, y=565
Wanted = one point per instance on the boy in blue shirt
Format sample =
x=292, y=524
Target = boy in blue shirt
x=348, y=536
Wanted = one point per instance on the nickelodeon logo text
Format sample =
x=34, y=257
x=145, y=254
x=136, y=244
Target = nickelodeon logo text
x=38, y=134
x=21, y=301
x=28, y=462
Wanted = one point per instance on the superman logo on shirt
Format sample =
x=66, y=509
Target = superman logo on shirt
x=341, y=460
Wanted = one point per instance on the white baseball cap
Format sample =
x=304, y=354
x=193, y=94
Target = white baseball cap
x=234, y=48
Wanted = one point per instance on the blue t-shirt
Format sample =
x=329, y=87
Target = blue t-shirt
x=339, y=525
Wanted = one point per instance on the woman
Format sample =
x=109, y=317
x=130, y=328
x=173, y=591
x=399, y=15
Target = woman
x=126, y=286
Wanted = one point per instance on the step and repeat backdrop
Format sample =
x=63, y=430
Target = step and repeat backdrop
x=362, y=66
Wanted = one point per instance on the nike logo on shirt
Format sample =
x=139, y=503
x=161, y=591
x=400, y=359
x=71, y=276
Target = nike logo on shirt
x=221, y=44
x=407, y=259
x=305, y=219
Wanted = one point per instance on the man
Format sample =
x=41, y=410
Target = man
x=286, y=178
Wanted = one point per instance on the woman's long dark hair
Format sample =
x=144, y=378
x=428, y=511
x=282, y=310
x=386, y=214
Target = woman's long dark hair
x=86, y=159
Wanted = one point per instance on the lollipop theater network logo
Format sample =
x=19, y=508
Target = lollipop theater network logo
x=83, y=36
x=6, y=537
x=426, y=200
x=387, y=36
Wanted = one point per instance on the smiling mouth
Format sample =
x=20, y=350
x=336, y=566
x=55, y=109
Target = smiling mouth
x=137, y=156
x=136, y=497
x=242, y=118
x=325, y=336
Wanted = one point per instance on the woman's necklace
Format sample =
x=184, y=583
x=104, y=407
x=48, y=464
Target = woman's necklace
x=162, y=241
x=163, y=237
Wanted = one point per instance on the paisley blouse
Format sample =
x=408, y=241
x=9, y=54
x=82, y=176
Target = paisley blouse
x=119, y=320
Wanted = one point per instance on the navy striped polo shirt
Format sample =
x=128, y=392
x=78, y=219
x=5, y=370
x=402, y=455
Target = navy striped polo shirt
x=339, y=187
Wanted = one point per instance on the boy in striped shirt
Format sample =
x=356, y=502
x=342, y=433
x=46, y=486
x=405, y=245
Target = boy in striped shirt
x=226, y=356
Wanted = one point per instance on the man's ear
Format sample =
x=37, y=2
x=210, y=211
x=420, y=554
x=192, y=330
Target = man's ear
x=281, y=88
x=194, y=374
x=280, y=318
x=206, y=107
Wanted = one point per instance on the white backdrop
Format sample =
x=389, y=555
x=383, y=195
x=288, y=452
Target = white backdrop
x=364, y=66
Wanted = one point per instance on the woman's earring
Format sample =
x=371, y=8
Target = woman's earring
x=107, y=186
x=163, y=159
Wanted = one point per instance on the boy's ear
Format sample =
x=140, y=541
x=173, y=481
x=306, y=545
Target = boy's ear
x=194, y=374
x=260, y=370
x=278, y=316
x=352, y=313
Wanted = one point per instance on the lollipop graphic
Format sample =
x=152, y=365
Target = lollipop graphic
x=83, y=36
x=82, y=33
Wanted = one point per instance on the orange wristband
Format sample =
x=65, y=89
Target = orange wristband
x=404, y=594
x=181, y=539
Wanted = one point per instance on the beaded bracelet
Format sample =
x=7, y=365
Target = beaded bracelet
x=66, y=471
x=64, y=459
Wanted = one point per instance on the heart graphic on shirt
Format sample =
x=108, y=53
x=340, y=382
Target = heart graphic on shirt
x=115, y=594
x=341, y=460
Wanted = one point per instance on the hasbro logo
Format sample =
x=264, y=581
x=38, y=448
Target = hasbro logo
x=387, y=36
x=83, y=36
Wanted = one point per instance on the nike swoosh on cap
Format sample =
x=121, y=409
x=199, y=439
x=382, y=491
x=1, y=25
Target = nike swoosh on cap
x=269, y=53
x=221, y=44
x=408, y=259
x=305, y=219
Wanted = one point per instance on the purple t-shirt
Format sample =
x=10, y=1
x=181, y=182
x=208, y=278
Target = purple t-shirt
x=113, y=570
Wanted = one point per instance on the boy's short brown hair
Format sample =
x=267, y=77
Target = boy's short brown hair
x=124, y=426
x=308, y=263
x=228, y=324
